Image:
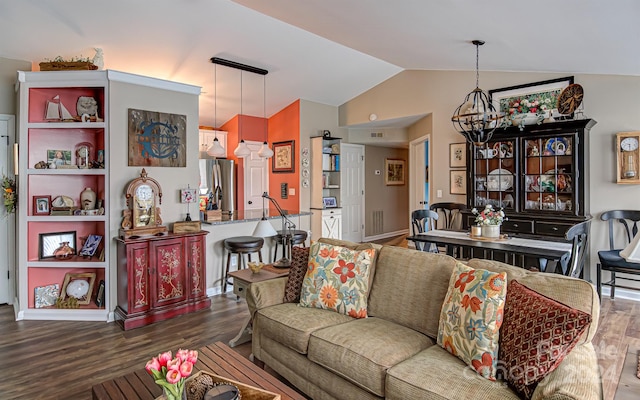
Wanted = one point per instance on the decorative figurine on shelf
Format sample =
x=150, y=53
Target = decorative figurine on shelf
x=534, y=151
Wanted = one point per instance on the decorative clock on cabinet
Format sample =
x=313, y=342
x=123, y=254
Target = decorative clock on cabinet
x=627, y=154
x=144, y=197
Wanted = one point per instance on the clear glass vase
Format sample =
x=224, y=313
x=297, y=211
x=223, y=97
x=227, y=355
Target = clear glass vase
x=167, y=395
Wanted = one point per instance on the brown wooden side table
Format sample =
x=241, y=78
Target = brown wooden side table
x=242, y=279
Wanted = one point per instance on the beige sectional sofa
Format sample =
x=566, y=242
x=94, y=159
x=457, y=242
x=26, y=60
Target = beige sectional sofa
x=393, y=353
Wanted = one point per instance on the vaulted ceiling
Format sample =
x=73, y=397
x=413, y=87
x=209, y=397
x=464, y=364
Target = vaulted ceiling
x=327, y=51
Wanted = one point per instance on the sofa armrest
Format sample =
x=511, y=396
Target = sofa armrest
x=576, y=378
x=265, y=293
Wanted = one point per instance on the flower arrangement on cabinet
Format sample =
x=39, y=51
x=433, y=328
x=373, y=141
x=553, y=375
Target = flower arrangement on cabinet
x=489, y=216
x=171, y=372
x=9, y=194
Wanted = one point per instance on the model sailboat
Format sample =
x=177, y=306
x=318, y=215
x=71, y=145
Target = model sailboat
x=56, y=111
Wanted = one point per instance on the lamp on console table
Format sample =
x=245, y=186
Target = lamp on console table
x=264, y=229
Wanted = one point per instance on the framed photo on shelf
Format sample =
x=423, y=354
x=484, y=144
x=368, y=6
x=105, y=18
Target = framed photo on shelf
x=528, y=98
x=48, y=243
x=457, y=182
x=457, y=155
x=283, y=157
x=394, y=172
x=78, y=286
x=329, y=202
x=99, y=300
x=41, y=205
x=90, y=246
x=58, y=158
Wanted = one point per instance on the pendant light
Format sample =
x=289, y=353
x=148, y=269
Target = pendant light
x=242, y=150
x=265, y=151
x=216, y=149
x=476, y=118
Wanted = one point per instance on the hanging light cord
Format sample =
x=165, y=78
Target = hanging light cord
x=477, y=64
x=215, y=105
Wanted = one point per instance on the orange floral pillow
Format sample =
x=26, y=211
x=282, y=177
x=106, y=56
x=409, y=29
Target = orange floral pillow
x=337, y=279
x=471, y=317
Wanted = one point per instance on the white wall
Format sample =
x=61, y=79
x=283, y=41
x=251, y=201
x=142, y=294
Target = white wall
x=128, y=95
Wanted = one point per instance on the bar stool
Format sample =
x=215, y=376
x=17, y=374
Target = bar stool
x=298, y=237
x=240, y=245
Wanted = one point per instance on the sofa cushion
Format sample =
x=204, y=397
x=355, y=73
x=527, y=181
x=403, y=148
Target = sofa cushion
x=337, y=279
x=292, y=325
x=299, y=264
x=471, y=317
x=409, y=288
x=436, y=374
x=537, y=335
x=575, y=293
x=363, y=350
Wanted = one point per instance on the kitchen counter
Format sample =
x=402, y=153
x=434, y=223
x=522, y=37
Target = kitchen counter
x=253, y=215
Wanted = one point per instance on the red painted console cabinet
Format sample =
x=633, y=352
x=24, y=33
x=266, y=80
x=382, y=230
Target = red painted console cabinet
x=160, y=277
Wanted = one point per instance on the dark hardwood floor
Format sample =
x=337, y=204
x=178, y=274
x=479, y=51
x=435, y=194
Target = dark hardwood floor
x=63, y=359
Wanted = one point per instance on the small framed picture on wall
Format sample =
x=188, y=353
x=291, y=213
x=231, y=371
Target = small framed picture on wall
x=458, y=182
x=457, y=155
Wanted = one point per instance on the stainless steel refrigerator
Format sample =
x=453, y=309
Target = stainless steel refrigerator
x=218, y=182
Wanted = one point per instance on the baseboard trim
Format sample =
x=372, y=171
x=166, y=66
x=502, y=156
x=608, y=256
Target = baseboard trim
x=622, y=293
x=386, y=235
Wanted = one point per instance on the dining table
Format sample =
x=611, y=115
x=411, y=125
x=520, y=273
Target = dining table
x=524, y=252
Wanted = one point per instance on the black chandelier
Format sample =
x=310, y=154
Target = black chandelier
x=476, y=118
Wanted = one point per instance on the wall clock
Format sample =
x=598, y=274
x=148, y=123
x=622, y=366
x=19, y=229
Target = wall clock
x=628, y=156
x=142, y=217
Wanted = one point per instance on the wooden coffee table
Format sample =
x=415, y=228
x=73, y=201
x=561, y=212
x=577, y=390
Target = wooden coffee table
x=217, y=358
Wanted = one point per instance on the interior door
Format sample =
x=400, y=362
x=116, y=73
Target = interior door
x=256, y=177
x=418, y=195
x=352, y=191
x=7, y=226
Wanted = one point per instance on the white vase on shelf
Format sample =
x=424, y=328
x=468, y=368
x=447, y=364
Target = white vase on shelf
x=88, y=199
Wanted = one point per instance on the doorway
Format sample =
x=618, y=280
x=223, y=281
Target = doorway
x=419, y=156
x=256, y=177
x=352, y=191
x=7, y=226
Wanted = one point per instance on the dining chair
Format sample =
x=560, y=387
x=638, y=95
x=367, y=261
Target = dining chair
x=452, y=220
x=451, y=212
x=610, y=260
x=579, y=236
x=422, y=221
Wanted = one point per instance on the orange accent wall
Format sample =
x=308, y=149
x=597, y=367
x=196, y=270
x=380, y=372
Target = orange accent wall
x=284, y=126
x=252, y=129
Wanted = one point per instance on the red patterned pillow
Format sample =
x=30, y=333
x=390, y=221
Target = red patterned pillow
x=536, y=335
x=299, y=263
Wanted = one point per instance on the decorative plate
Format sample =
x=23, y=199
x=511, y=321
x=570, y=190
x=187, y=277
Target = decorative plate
x=502, y=177
x=556, y=146
x=78, y=288
x=570, y=99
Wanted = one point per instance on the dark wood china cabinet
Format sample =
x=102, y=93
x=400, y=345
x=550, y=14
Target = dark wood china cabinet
x=539, y=174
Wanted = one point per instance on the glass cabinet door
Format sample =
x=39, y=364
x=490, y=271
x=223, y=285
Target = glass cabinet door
x=494, y=175
x=548, y=174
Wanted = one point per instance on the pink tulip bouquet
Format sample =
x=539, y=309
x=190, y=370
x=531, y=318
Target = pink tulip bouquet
x=171, y=373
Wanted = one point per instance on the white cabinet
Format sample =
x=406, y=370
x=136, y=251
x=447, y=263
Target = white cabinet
x=326, y=179
x=206, y=137
x=332, y=224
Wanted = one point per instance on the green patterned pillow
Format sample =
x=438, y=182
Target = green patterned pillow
x=471, y=317
x=337, y=279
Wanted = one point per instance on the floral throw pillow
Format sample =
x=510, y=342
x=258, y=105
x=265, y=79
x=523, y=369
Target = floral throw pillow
x=299, y=262
x=471, y=317
x=537, y=334
x=337, y=279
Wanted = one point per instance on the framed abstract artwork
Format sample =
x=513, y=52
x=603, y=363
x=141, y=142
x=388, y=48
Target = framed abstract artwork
x=394, y=172
x=283, y=157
